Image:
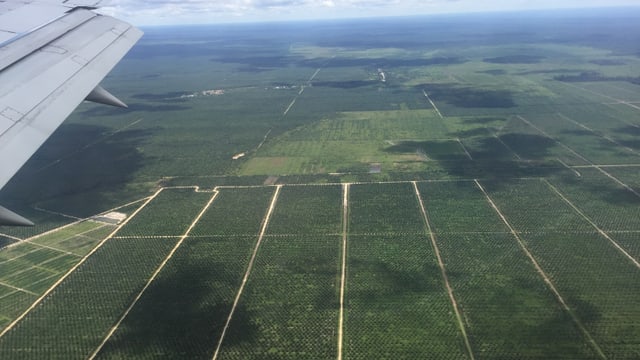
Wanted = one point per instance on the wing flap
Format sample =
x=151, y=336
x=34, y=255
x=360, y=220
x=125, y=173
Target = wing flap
x=29, y=15
x=23, y=16
x=50, y=65
x=26, y=43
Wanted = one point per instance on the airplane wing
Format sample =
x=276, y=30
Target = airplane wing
x=53, y=55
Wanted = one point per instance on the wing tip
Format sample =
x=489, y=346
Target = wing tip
x=8, y=217
x=102, y=96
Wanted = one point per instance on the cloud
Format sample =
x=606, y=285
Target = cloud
x=131, y=8
x=209, y=11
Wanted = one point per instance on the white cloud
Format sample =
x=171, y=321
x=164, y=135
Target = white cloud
x=149, y=12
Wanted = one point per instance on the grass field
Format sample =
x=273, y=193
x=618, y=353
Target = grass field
x=472, y=194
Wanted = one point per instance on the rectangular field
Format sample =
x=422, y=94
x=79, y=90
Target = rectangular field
x=596, y=280
x=74, y=319
x=235, y=212
x=308, y=210
x=289, y=308
x=384, y=209
x=606, y=202
x=290, y=305
x=396, y=303
x=169, y=214
x=393, y=285
x=28, y=269
x=184, y=310
x=589, y=143
x=507, y=307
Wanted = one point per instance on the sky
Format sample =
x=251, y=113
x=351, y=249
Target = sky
x=173, y=12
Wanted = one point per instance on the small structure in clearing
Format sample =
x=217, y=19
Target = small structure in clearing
x=271, y=180
x=212, y=92
x=113, y=217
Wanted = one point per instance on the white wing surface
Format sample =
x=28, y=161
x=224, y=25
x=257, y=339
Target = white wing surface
x=53, y=55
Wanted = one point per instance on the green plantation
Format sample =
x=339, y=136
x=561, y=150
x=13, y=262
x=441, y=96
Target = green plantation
x=443, y=189
x=394, y=284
